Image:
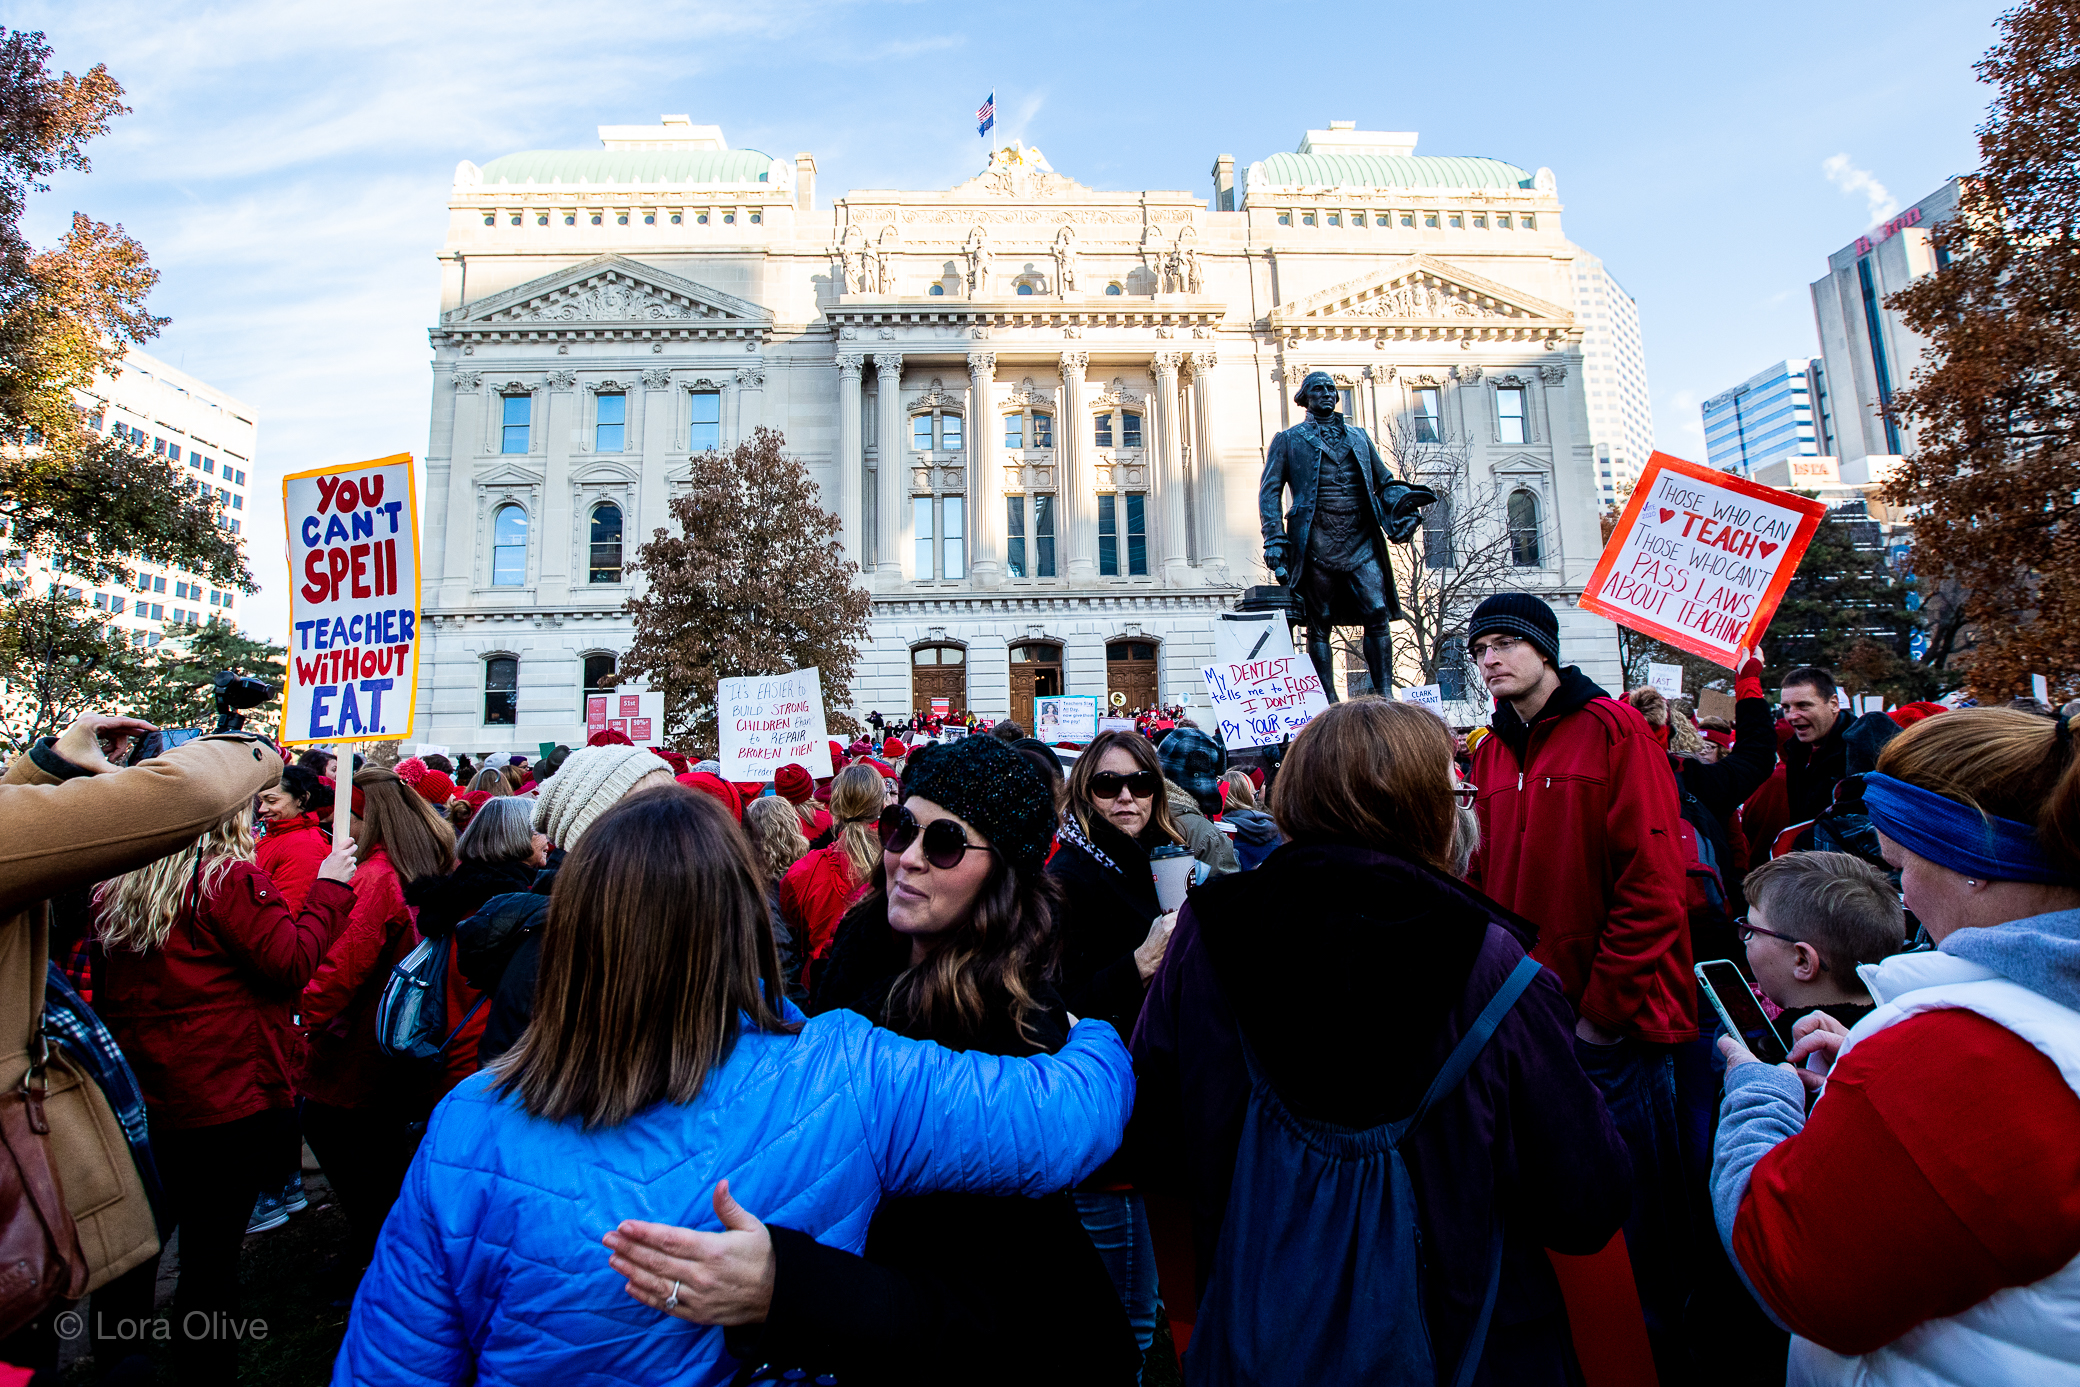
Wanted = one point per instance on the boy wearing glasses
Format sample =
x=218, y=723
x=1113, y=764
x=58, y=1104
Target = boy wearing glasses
x=1812, y=917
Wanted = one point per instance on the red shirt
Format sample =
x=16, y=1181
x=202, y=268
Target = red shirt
x=1942, y=1164
x=206, y=1019
x=290, y=853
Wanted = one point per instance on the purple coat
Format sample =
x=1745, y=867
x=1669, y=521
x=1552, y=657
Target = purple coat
x=1353, y=973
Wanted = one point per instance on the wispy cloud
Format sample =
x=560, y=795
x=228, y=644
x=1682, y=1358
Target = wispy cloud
x=1853, y=180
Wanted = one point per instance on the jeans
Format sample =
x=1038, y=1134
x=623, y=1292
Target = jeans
x=1118, y=1225
x=1660, y=1098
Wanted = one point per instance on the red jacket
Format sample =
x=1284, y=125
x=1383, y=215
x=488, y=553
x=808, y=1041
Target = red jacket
x=290, y=853
x=814, y=896
x=207, y=1019
x=345, y=1068
x=1580, y=833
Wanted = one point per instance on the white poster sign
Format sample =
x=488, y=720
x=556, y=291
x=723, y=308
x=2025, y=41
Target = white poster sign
x=1667, y=678
x=1262, y=691
x=770, y=721
x=353, y=539
x=1067, y=718
x=1431, y=696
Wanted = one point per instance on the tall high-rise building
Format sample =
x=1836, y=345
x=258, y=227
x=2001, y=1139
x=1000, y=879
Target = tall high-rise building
x=170, y=414
x=1870, y=352
x=1768, y=416
x=1614, y=370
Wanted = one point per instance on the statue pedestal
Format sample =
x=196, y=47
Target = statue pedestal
x=1269, y=599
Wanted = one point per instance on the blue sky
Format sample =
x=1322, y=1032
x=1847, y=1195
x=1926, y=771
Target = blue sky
x=287, y=164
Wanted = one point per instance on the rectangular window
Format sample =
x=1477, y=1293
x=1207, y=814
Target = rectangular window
x=1429, y=424
x=1043, y=537
x=208, y=464
x=100, y=601
x=1509, y=408
x=1130, y=430
x=953, y=544
x=519, y=410
x=1015, y=536
x=1014, y=430
x=1043, y=431
x=238, y=502
x=1102, y=431
x=609, y=429
x=921, y=521
x=1437, y=536
x=159, y=583
x=1346, y=403
x=1137, y=535
x=223, y=496
x=158, y=611
x=115, y=603
x=950, y=432
x=705, y=432
x=921, y=433
x=1108, y=536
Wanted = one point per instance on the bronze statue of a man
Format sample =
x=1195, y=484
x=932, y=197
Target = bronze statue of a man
x=1330, y=547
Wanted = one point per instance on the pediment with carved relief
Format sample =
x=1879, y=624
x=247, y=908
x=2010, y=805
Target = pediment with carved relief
x=1017, y=171
x=611, y=289
x=1420, y=290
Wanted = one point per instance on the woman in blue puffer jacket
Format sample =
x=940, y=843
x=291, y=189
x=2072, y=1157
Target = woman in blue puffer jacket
x=662, y=1057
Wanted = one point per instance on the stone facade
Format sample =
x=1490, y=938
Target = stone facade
x=967, y=373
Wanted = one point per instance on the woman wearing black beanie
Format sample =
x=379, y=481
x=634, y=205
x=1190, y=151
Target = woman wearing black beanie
x=954, y=943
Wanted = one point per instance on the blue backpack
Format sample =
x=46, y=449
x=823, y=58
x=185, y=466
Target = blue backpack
x=412, y=1011
x=1318, y=1275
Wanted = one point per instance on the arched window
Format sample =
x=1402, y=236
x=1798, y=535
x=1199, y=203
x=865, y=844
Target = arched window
x=501, y=691
x=1026, y=289
x=1524, y=545
x=509, y=547
x=606, y=543
x=599, y=671
x=1114, y=290
x=937, y=291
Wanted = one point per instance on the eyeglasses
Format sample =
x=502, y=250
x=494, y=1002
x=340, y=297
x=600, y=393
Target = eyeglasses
x=1140, y=784
x=1465, y=794
x=944, y=843
x=1748, y=931
x=1500, y=645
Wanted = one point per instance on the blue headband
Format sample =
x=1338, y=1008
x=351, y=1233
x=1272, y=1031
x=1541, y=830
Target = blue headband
x=1956, y=835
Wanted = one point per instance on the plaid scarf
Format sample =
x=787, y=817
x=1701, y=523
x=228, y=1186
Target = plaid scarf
x=72, y=1024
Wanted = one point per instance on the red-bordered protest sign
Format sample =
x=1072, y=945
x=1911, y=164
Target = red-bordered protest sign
x=1700, y=558
x=353, y=538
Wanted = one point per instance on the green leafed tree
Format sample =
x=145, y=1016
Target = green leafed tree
x=754, y=582
x=58, y=659
x=69, y=489
x=1847, y=610
x=173, y=687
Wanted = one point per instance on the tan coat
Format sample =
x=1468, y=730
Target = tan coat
x=58, y=834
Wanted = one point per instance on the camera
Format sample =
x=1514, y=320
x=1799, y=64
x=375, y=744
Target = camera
x=234, y=694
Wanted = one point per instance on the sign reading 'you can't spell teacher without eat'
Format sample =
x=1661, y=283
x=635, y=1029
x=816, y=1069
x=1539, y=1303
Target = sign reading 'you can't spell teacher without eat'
x=353, y=536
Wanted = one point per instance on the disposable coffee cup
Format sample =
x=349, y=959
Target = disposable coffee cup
x=1173, y=872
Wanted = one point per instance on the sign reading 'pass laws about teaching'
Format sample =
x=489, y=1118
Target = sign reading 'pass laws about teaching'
x=1700, y=558
x=770, y=721
x=353, y=602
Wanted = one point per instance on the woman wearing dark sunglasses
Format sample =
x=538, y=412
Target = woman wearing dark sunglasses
x=1114, y=933
x=952, y=943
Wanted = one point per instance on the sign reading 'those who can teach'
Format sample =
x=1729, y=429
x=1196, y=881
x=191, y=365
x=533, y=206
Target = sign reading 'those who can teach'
x=353, y=539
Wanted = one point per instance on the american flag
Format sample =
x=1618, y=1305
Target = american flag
x=986, y=114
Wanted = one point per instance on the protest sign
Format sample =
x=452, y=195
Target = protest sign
x=1667, y=678
x=1715, y=703
x=1115, y=724
x=2040, y=689
x=1700, y=558
x=636, y=713
x=1069, y=718
x=1262, y=692
x=770, y=721
x=1431, y=696
x=353, y=545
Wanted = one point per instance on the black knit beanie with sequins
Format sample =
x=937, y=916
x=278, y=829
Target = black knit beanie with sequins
x=1001, y=792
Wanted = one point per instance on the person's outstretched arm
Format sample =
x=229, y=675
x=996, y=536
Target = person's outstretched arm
x=68, y=816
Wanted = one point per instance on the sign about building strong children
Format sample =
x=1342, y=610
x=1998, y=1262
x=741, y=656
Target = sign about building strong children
x=1700, y=558
x=353, y=603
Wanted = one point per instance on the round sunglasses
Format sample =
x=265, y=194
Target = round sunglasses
x=944, y=842
x=1140, y=784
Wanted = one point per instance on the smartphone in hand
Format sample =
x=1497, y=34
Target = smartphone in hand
x=1727, y=990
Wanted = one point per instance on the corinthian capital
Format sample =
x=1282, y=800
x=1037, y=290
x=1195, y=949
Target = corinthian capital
x=1075, y=363
x=850, y=364
x=1205, y=361
x=1168, y=362
x=982, y=363
x=888, y=363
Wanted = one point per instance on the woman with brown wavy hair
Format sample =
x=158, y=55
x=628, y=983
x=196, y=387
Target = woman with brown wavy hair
x=953, y=943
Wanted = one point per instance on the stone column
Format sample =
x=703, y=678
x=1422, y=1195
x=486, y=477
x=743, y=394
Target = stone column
x=1166, y=475
x=459, y=548
x=894, y=467
x=658, y=443
x=1206, y=471
x=985, y=481
x=562, y=416
x=852, y=464
x=1075, y=501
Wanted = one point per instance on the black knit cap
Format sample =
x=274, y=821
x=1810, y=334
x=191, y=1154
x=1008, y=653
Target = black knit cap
x=1518, y=614
x=1002, y=792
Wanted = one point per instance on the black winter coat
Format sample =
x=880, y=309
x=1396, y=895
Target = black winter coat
x=445, y=902
x=1109, y=902
x=954, y=1288
x=497, y=950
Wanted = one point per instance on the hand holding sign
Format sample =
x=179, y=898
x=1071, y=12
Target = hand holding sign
x=1700, y=558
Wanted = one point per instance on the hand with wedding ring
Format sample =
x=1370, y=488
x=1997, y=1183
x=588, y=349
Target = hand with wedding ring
x=721, y=1278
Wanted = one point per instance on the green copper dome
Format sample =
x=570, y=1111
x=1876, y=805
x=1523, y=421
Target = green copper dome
x=1391, y=171
x=630, y=166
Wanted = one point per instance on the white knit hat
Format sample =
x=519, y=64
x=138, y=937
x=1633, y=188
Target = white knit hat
x=586, y=786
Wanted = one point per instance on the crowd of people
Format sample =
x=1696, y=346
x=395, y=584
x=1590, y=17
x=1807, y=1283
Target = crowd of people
x=1390, y=1057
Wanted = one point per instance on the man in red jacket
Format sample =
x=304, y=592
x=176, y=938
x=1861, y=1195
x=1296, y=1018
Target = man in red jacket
x=1581, y=834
